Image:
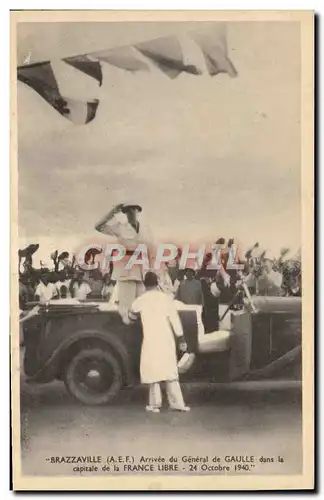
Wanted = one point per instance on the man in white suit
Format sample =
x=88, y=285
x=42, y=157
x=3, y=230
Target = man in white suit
x=161, y=324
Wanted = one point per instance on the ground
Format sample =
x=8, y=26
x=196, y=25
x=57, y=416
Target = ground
x=256, y=420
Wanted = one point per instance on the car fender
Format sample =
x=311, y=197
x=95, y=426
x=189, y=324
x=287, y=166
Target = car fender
x=290, y=359
x=53, y=365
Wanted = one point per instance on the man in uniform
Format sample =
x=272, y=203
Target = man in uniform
x=129, y=233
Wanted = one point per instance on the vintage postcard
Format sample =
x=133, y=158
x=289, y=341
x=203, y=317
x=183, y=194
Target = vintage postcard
x=162, y=274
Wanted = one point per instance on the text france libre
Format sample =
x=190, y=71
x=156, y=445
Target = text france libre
x=147, y=464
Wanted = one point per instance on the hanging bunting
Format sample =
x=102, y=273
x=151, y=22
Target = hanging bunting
x=87, y=66
x=122, y=57
x=214, y=48
x=166, y=54
x=41, y=78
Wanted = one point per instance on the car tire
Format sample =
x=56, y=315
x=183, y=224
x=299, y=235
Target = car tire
x=79, y=390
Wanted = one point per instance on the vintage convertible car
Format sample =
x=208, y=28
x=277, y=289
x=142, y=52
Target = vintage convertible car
x=86, y=345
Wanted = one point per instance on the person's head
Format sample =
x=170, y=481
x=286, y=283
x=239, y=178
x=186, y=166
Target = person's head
x=131, y=211
x=70, y=273
x=53, y=277
x=276, y=265
x=62, y=275
x=268, y=265
x=44, y=278
x=106, y=278
x=208, y=257
x=80, y=277
x=181, y=274
x=150, y=280
x=190, y=274
x=96, y=274
x=63, y=292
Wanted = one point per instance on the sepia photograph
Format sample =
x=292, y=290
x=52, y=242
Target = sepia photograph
x=162, y=231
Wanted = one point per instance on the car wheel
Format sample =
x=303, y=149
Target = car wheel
x=93, y=376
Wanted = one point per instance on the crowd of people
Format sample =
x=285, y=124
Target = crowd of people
x=64, y=279
x=201, y=285
x=61, y=280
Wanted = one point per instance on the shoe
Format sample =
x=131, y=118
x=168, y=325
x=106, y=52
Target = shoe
x=180, y=408
x=153, y=409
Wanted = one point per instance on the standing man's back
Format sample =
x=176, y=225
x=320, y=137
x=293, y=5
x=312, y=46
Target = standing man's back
x=161, y=324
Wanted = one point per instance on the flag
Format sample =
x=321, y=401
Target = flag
x=122, y=57
x=85, y=64
x=78, y=112
x=41, y=78
x=214, y=48
x=166, y=54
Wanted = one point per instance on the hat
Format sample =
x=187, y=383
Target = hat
x=128, y=205
x=63, y=255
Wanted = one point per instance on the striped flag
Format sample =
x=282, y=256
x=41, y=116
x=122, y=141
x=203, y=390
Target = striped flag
x=122, y=57
x=213, y=45
x=166, y=54
x=85, y=64
x=79, y=112
x=41, y=78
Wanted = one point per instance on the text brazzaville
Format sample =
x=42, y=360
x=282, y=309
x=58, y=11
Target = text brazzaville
x=154, y=259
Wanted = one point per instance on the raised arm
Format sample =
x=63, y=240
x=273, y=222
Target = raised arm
x=107, y=225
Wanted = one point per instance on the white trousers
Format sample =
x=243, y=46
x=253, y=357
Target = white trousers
x=174, y=394
x=128, y=291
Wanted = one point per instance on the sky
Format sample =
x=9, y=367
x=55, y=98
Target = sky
x=204, y=156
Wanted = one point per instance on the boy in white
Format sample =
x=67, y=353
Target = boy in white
x=160, y=321
x=45, y=290
x=80, y=289
x=64, y=281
